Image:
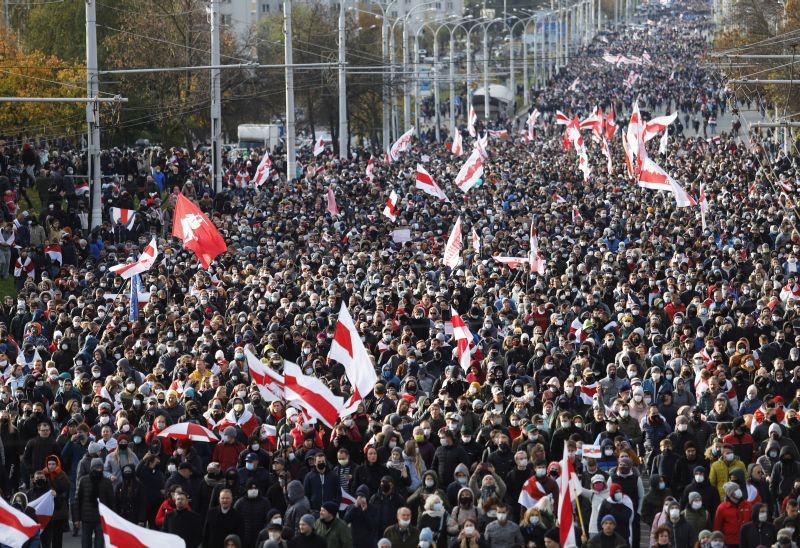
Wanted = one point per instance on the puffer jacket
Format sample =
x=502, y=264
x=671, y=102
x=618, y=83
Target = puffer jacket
x=90, y=488
x=298, y=504
x=254, y=515
x=730, y=519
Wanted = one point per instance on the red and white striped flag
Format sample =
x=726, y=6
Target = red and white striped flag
x=463, y=337
x=263, y=171
x=121, y=533
x=54, y=252
x=531, y=123
x=576, y=215
x=561, y=118
x=657, y=125
x=125, y=217
x=346, y=501
x=391, y=206
x=566, y=522
x=574, y=85
x=476, y=242
x=536, y=260
x=145, y=262
x=653, y=177
x=607, y=154
x=634, y=132
x=471, y=119
x=452, y=250
x=470, y=173
x=348, y=349
x=427, y=185
x=458, y=144
x=532, y=492
x=270, y=383
x=557, y=198
x=402, y=144
x=81, y=188
x=511, y=262
x=313, y=395
x=319, y=146
x=332, y=209
x=370, y=169
x=703, y=204
x=44, y=507
x=16, y=528
x=499, y=134
x=611, y=124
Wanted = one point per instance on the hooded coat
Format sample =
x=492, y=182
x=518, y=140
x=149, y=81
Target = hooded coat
x=757, y=533
x=59, y=482
x=784, y=473
x=298, y=504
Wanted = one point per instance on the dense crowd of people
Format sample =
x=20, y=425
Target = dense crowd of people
x=662, y=355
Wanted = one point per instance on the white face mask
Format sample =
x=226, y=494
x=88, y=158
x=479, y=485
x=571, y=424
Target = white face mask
x=697, y=504
x=404, y=522
x=469, y=530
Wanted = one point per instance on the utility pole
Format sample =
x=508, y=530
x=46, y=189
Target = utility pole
x=216, y=101
x=406, y=91
x=342, y=84
x=386, y=83
x=291, y=172
x=93, y=114
x=451, y=69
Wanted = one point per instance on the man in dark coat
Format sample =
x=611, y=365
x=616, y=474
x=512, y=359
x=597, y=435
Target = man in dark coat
x=759, y=531
x=447, y=456
x=92, y=487
x=183, y=522
x=307, y=538
x=222, y=520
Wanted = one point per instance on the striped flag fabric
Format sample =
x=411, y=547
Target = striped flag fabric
x=263, y=171
x=426, y=184
x=470, y=173
x=144, y=263
x=566, y=519
x=125, y=217
x=402, y=144
x=458, y=144
x=391, y=206
x=332, y=208
x=347, y=501
x=476, y=242
x=370, y=169
x=16, y=528
x=471, y=119
x=452, y=250
x=270, y=383
x=511, y=262
x=462, y=335
x=44, y=507
x=121, y=533
x=348, y=349
x=54, y=252
x=81, y=188
x=314, y=396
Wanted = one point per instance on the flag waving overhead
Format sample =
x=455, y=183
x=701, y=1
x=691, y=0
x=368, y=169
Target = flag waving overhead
x=16, y=528
x=270, y=382
x=565, y=517
x=452, y=251
x=634, y=132
x=458, y=145
x=348, y=349
x=391, y=206
x=121, y=533
x=312, y=394
x=476, y=242
x=197, y=232
x=402, y=144
x=146, y=260
x=319, y=146
x=263, y=170
x=125, y=217
x=703, y=204
x=471, y=172
x=370, y=169
x=462, y=336
x=657, y=125
x=427, y=185
x=561, y=118
x=471, y=119
x=652, y=176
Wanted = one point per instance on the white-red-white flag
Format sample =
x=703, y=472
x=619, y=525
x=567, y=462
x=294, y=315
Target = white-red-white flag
x=121, y=533
x=682, y=198
x=531, y=122
x=463, y=337
x=471, y=119
x=319, y=146
x=332, y=209
x=662, y=143
x=611, y=124
x=125, y=217
x=471, y=172
x=402, y=144
x=452, y=250
x=703, y=204
x=557, y=198
x=270, y=383
x=16, y=528
x=511, y=262
x=576, y=215
x=144, y=263
x=247, y=421
x=457, y=147
x=535, y=258
x=657, y=125
x=607, y=154
x=634, y=132
x=263, y=171
x=370, y=169
x=481, y=144
x=561, y=118
x=499, y=134
x=313, y=395
x=574, y=85
x=391, y=206
x=44, y=506
x=565, y=512
x=653, y=177
x=348, y=349
x=476, y=242
x=54, y=252
x=427, y=185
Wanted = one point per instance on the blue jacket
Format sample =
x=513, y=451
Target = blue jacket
x=321, y=488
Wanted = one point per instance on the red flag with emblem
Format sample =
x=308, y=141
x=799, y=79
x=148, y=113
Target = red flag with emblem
x=197, y=232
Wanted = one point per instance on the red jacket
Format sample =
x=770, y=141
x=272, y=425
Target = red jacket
x=730, y=518
x=227, y=454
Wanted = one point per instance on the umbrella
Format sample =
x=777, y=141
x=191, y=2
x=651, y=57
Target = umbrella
x=188, y=431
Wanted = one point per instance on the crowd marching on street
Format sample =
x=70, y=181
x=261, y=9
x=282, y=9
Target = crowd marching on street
x=579, y=329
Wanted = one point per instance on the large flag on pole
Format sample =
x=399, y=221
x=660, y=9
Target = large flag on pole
x=125, y=217
x=471, y=172
x=401, y=145
x=332, y=208
x=471, y=119
x=463, y=337
x=121, y=533
x=427, y=185
x=145, y=261
x=16, y=528
x=348, y=349
x=457, y=147
x=197, y=232
x=263, y=170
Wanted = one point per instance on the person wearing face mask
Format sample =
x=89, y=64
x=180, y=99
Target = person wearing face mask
x=619, y=507
x=785, y=473
x=701, y=485
x=469, y=536
x=790, y=520
x=741, y=441
x=321, y=484
x=502, y=531
x=227, y=451
x=681, y=533
x=447, y=456
x=732, y=513
x=722, y=467
x=696, y=514
x=595, y=494
x=386, y=502
x=253, y=508
x=759, y=531
x=632, y=485
x=515, y=480
x=437, y=520
x=92, y=488
x=116, y=460
x=429, y=487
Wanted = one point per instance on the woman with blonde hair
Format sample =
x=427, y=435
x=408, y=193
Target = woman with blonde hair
x=535, y=523
x=436, y=518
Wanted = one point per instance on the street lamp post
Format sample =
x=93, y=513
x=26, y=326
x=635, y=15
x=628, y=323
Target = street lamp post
x=511, y=69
